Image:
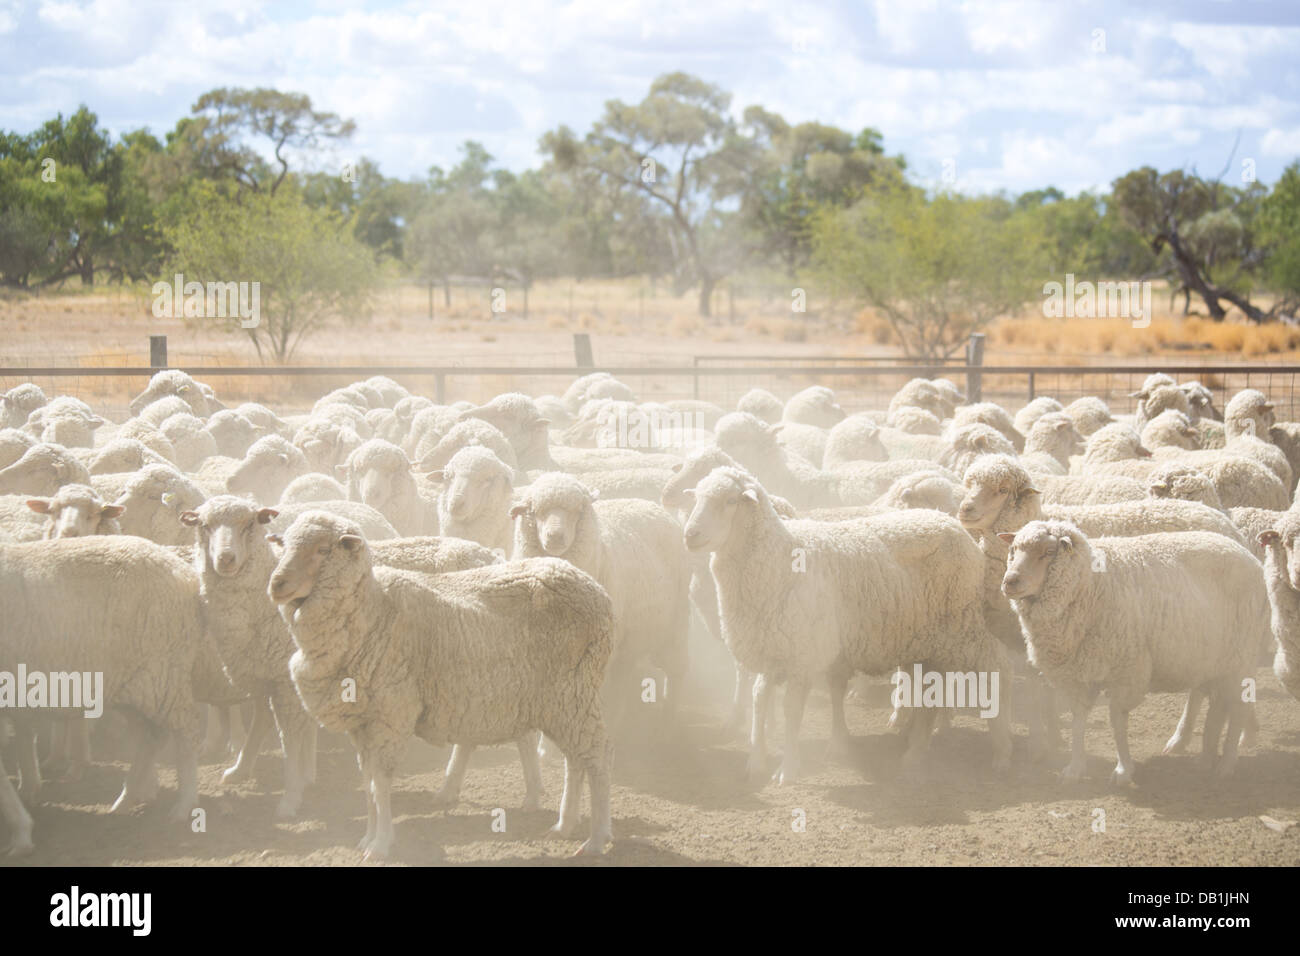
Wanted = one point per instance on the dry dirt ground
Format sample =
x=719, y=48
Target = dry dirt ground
x=684, y=800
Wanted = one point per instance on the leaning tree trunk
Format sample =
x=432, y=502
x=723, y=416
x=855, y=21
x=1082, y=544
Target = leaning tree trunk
x=706, y=295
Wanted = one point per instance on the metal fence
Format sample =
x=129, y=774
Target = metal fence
x=859, y=386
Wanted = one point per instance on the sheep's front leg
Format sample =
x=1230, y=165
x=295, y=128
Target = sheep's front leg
x=1183, y=732
x=532, y=765
x=141, y=783
x=1215, y=717
x=449, y=793
x=838, y=685
x=187, y=777
x=29, y=766
x=740, y=700
x=571, y=799
x=1078, y=764
x=365, y=762
x=381, y=783
x=1237, y=716
x=16, y=816
x=243, y=766
x=602, y=828
x=757, y=767
x=796, y=696
x=1124, y=766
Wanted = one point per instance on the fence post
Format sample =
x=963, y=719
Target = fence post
x=157, y=351
x=440, y=388
x=1031, y=386
x=582, y=350
x=695, y=393
x=974, y=359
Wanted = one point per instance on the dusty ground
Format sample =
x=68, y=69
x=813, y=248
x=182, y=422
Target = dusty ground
x=685, y=802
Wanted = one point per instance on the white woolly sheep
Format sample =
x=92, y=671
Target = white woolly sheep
x=192, y=441
x=475, y=501
x=1161, y=612
x=990, y=414
x=410, y=643
x=65, y=421
x=1151, y=402
x=1051, y=441
x=123, y=454
x=265, y=420
x=378, y=474
x=153, y=499
x=18, y=403
x=806, y=441
x=266, y=469
x=867, y=595
x=914, y=421
x=13, y=443
x=372, y=524
x=232, y=432
x=762, y=404
x=1200, y=401
x=432, y=455
x=634, y=549
x=42, y=470
x=172, y=382
x=1036, y=409
x=815, y=405
x=969, y=442
x=923, y=393
x=325, y=444
x=1282, y=577
x=157, y=412
x=136, y=429
x=1089, y=414
x=857, y=438
x=313, y=486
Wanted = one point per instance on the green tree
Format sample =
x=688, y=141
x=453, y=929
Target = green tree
x=1279, y=227
x=310, y=267
x=936, y=268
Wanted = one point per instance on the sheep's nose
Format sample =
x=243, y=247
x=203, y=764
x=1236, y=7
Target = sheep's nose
x=279, y=587
x=225, y=560
x=692, y=538
x=458, y=508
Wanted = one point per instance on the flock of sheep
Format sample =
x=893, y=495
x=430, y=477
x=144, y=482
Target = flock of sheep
x=388, y=567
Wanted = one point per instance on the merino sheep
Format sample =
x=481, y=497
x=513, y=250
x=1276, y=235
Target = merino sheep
x=634, y=549
x=325, y=443
x=266, y=470
x=313, y=486
x=123, y=454
x=152, y=502
x=762, y=404
x=1282, y=576
x=856, y=438
x=76, y=511
x=464, y=434
x=232, y=432
x=378, y=474
x=815, y=405
x=1036, y=409
x=969, y=442
x=1153, y=401
x=192, y=441
x=42, y=470
x=414, y=645
x=925, y=394
x=867, y=595
x=172, y=382
x=18, y=403
x=148, y=435
x=475, y=501
x=1163, y=612
x=1089, y=414
x=13, y=444
x=517, y=418
x=990, y=414
x=1052, y=439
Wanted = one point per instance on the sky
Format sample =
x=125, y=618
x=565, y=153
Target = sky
x=979, y=96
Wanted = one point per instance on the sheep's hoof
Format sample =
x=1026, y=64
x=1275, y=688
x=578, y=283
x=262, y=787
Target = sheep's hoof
x=287, y=809
x=1248, y=738
x=1177, y=744
x=785, y=776
x=594, y=846
x=376, y=854
x=1122, y=778
x=19, y=848
x=560, y=832
x=532, y=803
x=180, y=814
x=236, y=774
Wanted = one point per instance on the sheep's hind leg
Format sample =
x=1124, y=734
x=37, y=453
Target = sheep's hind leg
x=29, y=766
x=16, y=816
x=532, y=765
x=187, y=778
x=757, y=765
x=243, y=766
x=141, y=783
x=380, y=788
x=796, y=696
x=1237, y=716
x=1123, y=773
x=571, y=799
x=1183, y=732
x=740, y=700
x=1078, y=764
x=602, y=828
x=1215, y=717
x=841, y=742
x=448, y=795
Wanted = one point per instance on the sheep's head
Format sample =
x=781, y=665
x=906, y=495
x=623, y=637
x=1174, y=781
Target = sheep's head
x=77, y=511
x=319, y=551
x=232, y=432
x=1249, y=413
x=971, y=441
x=815, y=405
x=992, y=482
x=922, y=489
x=516, y=416
x=464, y=434
x=914, y=421
x=762, y=404
x=1043, y=554
x=1054, y=433
x=228, y=530
x=688, y=474
x=1115, y=442
x=157, y=412
x=749, y=440
x=1183, y=482
x=154, y=498
x=172, y=382
x=1171, y=428
x=555, y=507
x=1089, y=414
x=42, y=470
x=325, y=443
x=475, y=479
x=718, y=499
x=1201, y=401
x=377, y=473
x=1283, y=537
x=269, y=465
x=949, y=394
x=922, y=393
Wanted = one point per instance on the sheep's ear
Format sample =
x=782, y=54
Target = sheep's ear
x=168, y=498
x=266, y=514
x=111, y=511
x=542, y=423
x=284, y=459
x=1268, y=537
x=341, y=470
x=518, y=511
x=190, y=518
x=351, y=542
x=182, y=390
x=439, y=476
x=1066, y=543
x=1138, y=395
x=1006, y=536
x=980, y=441
x=749, y=494
x=1143, y=452
x=276, y=539
x=688, y=492
x=39, y=505
x=593, y=493
x=1159, y=488
x=1028, y=490
x=676, y=469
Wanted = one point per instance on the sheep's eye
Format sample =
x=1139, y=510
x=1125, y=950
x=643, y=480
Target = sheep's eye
x=322, y=551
